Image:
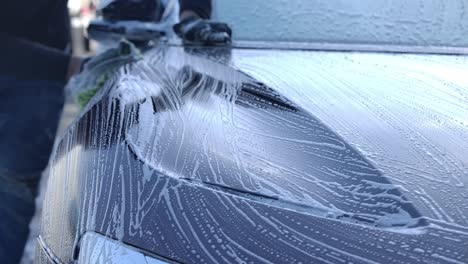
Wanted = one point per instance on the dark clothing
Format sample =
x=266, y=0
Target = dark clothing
x=33, y=37
x=28, y=60
x=33, y=65
x=35, y=33
x=201, y=7
x=29, y=113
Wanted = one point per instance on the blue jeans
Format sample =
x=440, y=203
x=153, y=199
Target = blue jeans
x=29, y=114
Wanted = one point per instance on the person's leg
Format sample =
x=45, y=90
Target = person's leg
x=29, y=113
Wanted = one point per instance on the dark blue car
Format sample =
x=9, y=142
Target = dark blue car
x=266, y=152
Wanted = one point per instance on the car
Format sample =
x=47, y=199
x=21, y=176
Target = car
x=265, y=153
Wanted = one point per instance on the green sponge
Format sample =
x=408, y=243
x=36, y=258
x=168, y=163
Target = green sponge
x=84, y=97
x=98, y=70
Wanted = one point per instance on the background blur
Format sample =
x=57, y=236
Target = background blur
x=81, y=13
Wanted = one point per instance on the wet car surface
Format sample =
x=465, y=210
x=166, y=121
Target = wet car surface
x=215, y=155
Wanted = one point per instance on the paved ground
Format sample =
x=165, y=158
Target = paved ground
x=68, y=115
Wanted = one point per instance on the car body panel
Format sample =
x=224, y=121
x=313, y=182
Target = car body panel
x=212, y=155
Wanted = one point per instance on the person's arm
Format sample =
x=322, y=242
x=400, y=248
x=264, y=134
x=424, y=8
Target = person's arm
x=200, y=8
x=29, y=60
x=33, y=40
x=195, y=26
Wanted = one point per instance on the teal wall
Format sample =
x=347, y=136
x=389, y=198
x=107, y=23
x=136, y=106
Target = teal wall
x=403, y=22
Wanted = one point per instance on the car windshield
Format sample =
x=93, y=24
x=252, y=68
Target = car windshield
x=413, y=23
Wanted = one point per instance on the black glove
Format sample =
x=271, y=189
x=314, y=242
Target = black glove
x=194, y=30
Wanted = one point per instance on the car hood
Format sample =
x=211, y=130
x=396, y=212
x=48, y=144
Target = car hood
x=337, y=133
x=407, y=114
x=267, y=155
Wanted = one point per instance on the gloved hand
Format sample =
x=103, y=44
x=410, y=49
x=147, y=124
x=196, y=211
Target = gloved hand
x=195, y=30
